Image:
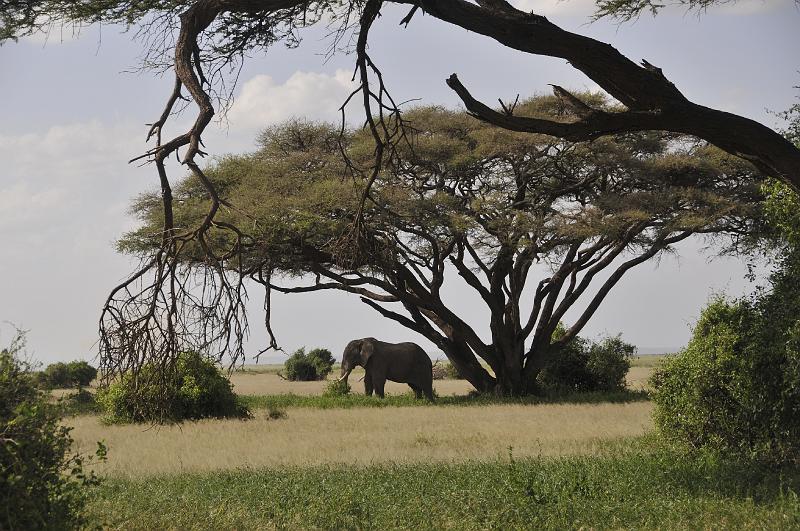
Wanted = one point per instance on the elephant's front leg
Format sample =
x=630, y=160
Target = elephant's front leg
x=368, y=384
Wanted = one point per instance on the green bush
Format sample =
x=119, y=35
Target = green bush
x=81, y=402
x=583, y=366
x=81, y=373
x=42, y=486
x=72, y=374
x=323, y=361
x=56, y=375
x=609, y=362
x=735, y=389
x=197, y=390
x=337, y=388
x=308, y=367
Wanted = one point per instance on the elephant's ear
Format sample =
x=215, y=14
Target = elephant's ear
x=367, y=350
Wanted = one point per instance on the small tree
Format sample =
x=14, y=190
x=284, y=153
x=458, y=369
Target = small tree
x=42, y=486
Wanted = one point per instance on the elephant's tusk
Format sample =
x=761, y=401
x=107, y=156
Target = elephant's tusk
x=362, y=378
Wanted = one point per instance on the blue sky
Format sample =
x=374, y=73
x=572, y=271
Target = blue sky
x=71, y=117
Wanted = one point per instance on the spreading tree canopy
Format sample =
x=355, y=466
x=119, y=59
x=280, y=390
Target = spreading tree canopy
x=150, y=316
x=465, y=203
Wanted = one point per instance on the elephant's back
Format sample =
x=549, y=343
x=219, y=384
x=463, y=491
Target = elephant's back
x=417, y=351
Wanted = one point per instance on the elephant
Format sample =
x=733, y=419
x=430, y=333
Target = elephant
x=398, y=362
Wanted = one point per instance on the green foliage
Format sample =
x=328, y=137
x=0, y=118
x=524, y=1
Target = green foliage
x=584, y=366
x=337, y=388
x=308, y=367
x=609, y=362
x=323, y=361
x=199, y=390
x=42, y=486
x=61, y=375
x=81, y=373
x=736, y=387
x=56, y=375
x=81, y=402
x=782, y=209
x=629, y=486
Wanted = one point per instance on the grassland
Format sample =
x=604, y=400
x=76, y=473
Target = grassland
x=357, y=462
x=635, y=488
x=362, y=436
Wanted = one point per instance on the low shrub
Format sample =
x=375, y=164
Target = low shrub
x=308, y=367
x=42, y=485
x=276, y=413
x=197, y=390
x=337, y=388
x=584, y=366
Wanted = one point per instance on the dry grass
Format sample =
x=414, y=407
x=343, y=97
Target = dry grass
x=637, y=377
x=272, y=384
x=362, y=436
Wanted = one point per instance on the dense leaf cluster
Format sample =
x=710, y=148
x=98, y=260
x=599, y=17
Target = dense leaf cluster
x=586, y=366
x=73, y=374
x=42, y=485
x=736, y=387
x=199, y=391
x=307, y=367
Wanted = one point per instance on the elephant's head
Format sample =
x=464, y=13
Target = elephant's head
x=356, y=353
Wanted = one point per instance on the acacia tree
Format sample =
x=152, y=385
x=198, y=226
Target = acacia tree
x=470, y=204
x=161, y=308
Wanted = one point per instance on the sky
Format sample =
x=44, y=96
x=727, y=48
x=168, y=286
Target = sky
x=73, y=111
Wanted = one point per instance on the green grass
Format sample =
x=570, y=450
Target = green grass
x=358, y=400
x=640, y=487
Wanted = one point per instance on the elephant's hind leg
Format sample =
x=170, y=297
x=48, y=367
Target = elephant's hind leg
x=417, y=390
x=428, y=389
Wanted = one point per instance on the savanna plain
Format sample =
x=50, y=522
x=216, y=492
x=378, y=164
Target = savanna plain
x=307, y=461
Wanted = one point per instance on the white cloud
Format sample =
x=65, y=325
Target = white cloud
x=312, y=95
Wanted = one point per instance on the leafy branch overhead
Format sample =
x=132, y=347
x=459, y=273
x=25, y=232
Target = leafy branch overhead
x=466, y=204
